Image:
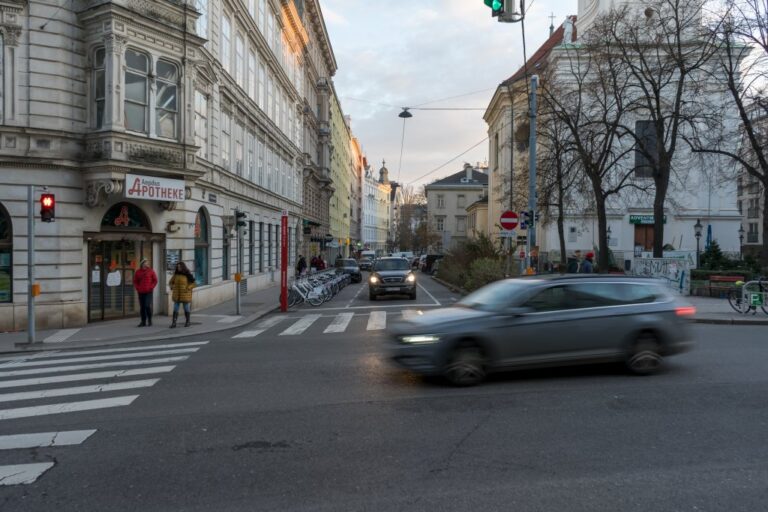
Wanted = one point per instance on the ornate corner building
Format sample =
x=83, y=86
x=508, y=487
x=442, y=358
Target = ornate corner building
x=152, y=123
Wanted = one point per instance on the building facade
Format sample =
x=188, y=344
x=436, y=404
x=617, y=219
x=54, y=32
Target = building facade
x=153, y=123
x=341, y=177
x=750, y=201
x=447, y=202
x=376, y=210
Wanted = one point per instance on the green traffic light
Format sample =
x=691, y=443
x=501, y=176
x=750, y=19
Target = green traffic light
x=496, y=5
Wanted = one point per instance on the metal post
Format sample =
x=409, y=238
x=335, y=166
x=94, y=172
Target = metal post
x=239, y=266
x=531, y=239
x=30, y=263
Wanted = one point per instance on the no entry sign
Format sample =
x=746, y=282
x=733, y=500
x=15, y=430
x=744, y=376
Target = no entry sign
x=508, y=220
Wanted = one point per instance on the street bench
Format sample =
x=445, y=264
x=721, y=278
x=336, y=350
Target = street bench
x=723, y=284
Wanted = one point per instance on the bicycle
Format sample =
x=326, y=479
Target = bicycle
x=748, y=296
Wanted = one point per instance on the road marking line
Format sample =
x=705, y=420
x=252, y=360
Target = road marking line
x=229, y=319
x=23, y=473
x=380, y=306
x=377, y=321
x=78, y=390
x=65, y=353
x=270, y=322
x=300, y=326
x=410, y=314
x=349, y=304
x=44, y=439
x=64, y=407
x=248, y=334
x=51, y=362
x=340, y=323
x=84, y=376
x=73, y=368
x=437, y=302
x=59, y=336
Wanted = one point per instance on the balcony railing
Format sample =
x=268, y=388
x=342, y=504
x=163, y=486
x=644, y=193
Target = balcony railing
x=752, y=238
x=753, y=213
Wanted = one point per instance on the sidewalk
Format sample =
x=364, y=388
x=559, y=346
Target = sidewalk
x=210, y=320
x=718, y=311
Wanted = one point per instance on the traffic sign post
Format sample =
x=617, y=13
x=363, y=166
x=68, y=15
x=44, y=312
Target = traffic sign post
x=508, y=220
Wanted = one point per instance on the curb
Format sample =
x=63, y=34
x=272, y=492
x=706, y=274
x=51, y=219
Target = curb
x=40, y=347
x=450, y=286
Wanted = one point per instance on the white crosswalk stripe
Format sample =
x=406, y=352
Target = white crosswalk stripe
x=409, y=314
x=262, y=326
x=107, y=389
x=300, y=326
x=339, y=323
x=377, y=321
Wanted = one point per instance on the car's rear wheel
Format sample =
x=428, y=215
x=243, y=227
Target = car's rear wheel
x=466, y=365
x=645, y=356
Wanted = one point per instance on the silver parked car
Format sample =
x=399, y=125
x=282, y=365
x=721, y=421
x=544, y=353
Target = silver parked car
x=546, y=321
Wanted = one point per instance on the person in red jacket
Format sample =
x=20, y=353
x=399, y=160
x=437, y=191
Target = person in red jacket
x=145, y=280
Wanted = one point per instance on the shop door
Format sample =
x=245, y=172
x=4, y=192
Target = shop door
x=112, y=264
x=644, y=237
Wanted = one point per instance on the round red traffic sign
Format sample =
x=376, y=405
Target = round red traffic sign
x=509, y=220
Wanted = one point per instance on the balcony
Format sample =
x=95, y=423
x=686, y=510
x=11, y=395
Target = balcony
x=753, y=213
x=752, y=238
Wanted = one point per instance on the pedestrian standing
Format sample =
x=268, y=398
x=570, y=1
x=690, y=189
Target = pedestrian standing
x=574, y=262
x=320, y=263
x=587, y=267
x=145, y=280
x=181, y=284
x=301, y=266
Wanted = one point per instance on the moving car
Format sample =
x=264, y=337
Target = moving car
x=546, y=321
x=349, y=266
x=392, y=276
x=365, y=263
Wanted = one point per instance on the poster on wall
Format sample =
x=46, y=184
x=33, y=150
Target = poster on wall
x=114, y=278
x=172, y=257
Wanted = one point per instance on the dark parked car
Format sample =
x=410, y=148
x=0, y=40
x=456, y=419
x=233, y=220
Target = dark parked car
x=349, y=266
x=426, y=265
x=546, y=321
x=365, y=264
x=392, y=276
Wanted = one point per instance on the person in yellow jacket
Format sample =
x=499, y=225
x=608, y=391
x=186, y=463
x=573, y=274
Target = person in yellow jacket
x=181, y=285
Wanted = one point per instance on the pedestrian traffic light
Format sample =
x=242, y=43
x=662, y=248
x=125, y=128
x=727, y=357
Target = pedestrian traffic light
x=47, y=207
x=240, y=219
x=525, y=219
x=497, y=6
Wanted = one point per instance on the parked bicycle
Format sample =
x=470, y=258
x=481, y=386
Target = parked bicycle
x=317, y=288
x=749, y=296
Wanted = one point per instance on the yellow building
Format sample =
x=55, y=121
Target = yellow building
x=342, y=172
x=477, y=218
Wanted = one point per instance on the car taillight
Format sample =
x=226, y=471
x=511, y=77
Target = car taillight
x=685, y=311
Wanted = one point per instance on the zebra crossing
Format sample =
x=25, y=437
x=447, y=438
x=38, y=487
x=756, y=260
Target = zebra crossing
x=41, y=384
x=330, y=324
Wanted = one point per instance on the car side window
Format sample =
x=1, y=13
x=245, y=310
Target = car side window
x=595, y=295
x=548, y=299
x=639, y=293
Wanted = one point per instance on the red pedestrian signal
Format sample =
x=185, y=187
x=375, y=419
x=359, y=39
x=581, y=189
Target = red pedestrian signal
x=47, y=207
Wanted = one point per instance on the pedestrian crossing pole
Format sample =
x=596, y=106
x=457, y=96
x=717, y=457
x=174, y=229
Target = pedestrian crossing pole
x=284, y=262
x=31, y=263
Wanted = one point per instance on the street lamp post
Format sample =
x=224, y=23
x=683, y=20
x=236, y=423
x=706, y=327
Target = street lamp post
x=697, y=230
x=741, y=241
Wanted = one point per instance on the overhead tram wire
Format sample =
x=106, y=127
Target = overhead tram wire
x=448, y=162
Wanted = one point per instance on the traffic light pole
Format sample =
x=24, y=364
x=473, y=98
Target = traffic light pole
x=531, y=239
x=30, y=263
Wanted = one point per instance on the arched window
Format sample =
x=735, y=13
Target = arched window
x=167, y=100
x=202, y=237
x=99, y=85
x=6, y=256
x=136, y=91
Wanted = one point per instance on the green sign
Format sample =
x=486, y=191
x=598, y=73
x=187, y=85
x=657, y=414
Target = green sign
x=755, y=299
x=643, y=219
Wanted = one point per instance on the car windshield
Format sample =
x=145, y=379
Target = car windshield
x=494, y=296
x=393, y=264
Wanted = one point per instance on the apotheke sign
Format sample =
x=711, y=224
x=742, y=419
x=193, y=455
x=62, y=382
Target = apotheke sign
x=154, y=189
x=643, y=219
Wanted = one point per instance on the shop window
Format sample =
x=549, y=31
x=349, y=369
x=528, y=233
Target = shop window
x=167, y=111
x=202, y=247
x=125, y=216
x=6, y=256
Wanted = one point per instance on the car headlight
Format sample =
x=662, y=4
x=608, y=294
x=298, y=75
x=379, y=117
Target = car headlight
x=411, y=278
x=420, y=339
x=374, y=279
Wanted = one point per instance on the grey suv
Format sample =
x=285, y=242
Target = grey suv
x=550, y=321
x=391, y=276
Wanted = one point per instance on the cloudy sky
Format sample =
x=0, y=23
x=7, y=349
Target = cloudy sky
x=394, y=53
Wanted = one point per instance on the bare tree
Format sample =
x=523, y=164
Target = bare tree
x=408, y=222
x=664, y=48
x=739, y=130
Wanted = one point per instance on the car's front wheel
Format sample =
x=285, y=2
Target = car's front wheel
x=645, y=356
x=466, y=365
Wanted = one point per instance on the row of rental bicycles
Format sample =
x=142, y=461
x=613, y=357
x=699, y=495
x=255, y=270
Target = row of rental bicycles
x=317, y=288
x=748, y=297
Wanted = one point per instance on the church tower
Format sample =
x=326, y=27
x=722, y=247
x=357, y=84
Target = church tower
x=384, y=173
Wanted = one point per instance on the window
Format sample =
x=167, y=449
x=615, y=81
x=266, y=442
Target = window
x=461, y=224
x=261, y=247
x=572, y=234
x=201, y=124
x=136, y=91
x=225, y=258
x=252, y=9
x=271, y=29
x=645, y=131
x=226, y=140
x=549, y=299
x=251, y=156
x=260, y=178
x=251, y=247
x=201, y=247
x=461, y=201
x=99, y=85
x=167, y=95
x=753, y=234
x=440, y=201
x=262, y=90
x=270, y=98
x=739, y=205
x=226, y=44
x=252, y=75
x=262, y=14
x=240, y=61
x=201, y=26
x=440, y=223
x=497, y=156
x=239, y=149
x=269, y=245
x=6, y=256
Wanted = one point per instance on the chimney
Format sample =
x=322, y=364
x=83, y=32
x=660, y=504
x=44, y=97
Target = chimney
x=468, y=170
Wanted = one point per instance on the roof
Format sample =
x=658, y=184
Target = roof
x=540, y=56
x=479, y=202
x=478, y=178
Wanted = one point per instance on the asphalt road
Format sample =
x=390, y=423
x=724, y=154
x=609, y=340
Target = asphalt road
x=318, y=421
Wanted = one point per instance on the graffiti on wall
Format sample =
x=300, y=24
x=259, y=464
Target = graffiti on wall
x=676, y=272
